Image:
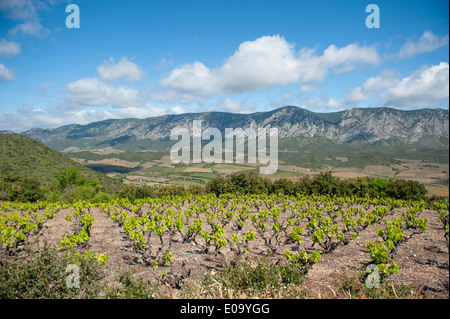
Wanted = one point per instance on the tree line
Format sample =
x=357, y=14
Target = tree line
x=71, y=187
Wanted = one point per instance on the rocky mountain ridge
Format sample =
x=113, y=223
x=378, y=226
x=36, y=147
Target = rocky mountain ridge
x=364, y=124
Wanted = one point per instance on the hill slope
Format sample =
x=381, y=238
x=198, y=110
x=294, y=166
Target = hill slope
x=21, y=155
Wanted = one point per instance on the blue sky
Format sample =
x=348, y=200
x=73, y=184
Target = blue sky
x=148, y=58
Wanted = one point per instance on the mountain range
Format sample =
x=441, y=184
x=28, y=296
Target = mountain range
x=368, y=125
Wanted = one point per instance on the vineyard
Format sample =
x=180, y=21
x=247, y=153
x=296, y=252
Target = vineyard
x=174, y=242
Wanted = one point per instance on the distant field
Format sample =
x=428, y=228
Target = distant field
x=155, y=168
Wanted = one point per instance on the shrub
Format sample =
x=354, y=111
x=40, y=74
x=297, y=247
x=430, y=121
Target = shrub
x=378, y=187
x=216, y=185
x=265, y=276
x=406, y=189
x=131, y=288
x=43, y=276
x=21, y=189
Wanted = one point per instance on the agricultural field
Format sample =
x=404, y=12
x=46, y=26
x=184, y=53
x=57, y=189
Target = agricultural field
x=154, y=168
x=185, y=247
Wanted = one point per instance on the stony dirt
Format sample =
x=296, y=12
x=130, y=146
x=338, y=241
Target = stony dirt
x=423, y=258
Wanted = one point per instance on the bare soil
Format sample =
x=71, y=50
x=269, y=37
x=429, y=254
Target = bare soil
x=423, y=258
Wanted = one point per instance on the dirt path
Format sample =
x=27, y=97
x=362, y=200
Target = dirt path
x=55, y=228
x=107, y=237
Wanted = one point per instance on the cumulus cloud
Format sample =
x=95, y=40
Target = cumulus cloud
x=6, y=74
x=425, y=87
x=171, y=96
x=192, y=78
x=428, y=42
x=99, y=91
x=233, y=106
x=30, y=28
x=27, y=12
x=93, y=92
x=267, y=62
x=318, y=104
x=124, y=69
x=146, y=111
x=371, y=86
x=26, y=118
x=9, y=48
x=19, y=9
x=314, y=68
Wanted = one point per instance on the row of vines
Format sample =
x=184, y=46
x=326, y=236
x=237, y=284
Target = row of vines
x=296, y=229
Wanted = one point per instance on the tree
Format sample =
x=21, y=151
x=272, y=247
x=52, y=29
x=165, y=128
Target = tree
x=133, y=192
x=325, y=184
x=67, y=176
x=283, y=186
x=303, y=186
x=406, y=189
x=378, y=187
x=21, y=189
x=217, y=185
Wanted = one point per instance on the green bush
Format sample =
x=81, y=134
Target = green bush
x=406, y=189
x=21, y=189
x=217, y=185
x=43, y=274
x=67, y=176
x=378, y=187
x=135, y=192
x=131, y=288
x=282, y=186
x=172, y=190
x=265, y=276
x=83, y=193
x=322, y=184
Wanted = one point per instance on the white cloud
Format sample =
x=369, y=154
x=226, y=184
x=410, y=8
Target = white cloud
x=9, y=48
x=192, y=78
x=267, y=62
x=177, y=110
x=96, y=92
x=27, y=12
x=171, y=96
x=425, y=87
x=93, y=92
x=26, y=118
x=19, y=9
x=318, y=104
x=428, y=42
x=30, y=28
x=6, y=74
x=144, y=111
x=233, y=106
x=164, y=62
x=124, y=69
x=339, y=60
x=371, y=86
x=308, y=88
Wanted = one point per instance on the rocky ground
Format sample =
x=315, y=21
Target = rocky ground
x=423, y=258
